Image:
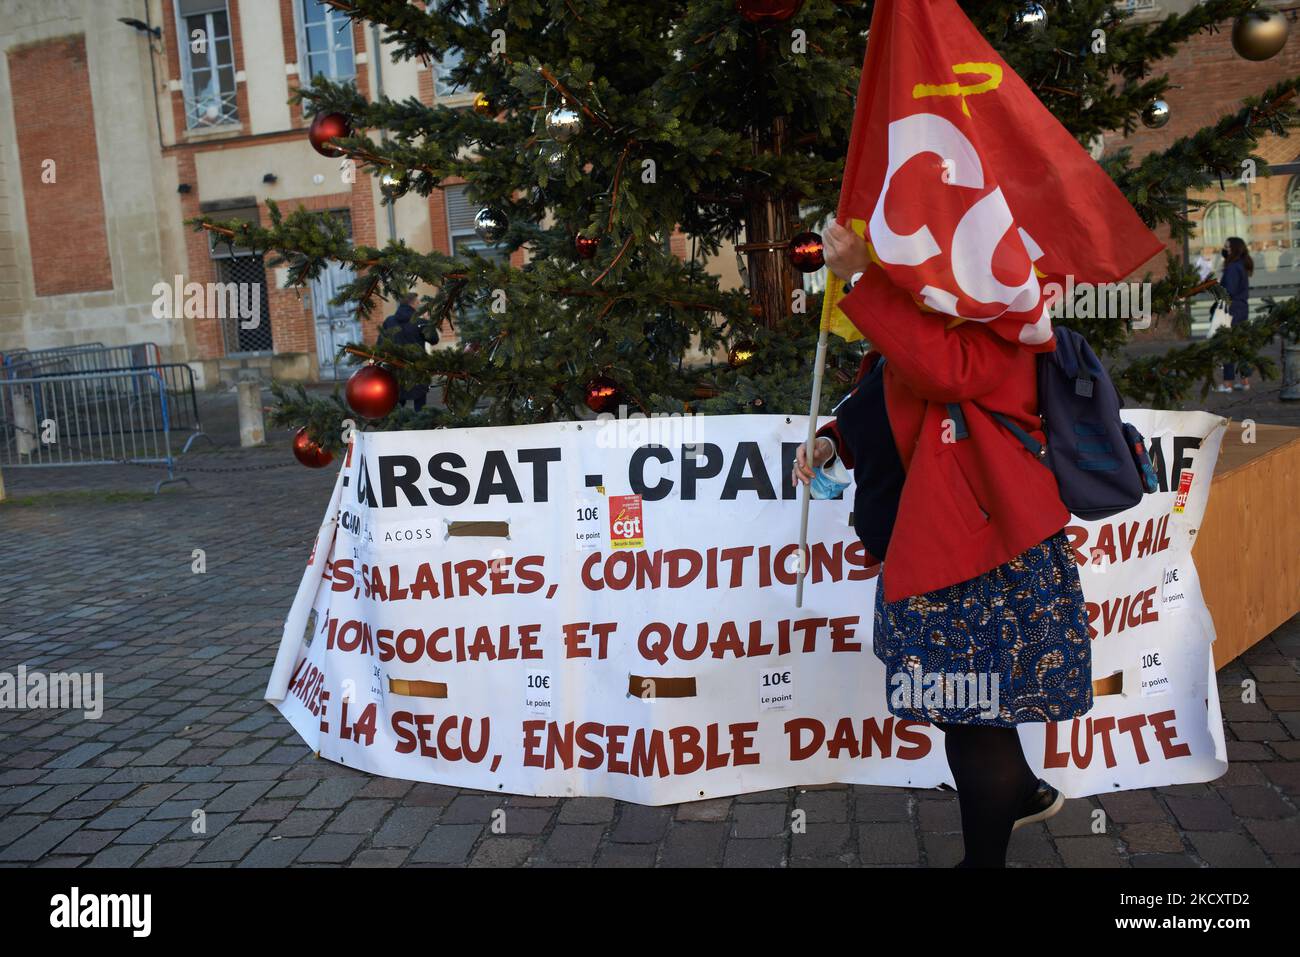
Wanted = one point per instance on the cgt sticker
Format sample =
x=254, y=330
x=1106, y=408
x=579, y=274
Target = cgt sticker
x=1184, y=487
x=626, y=529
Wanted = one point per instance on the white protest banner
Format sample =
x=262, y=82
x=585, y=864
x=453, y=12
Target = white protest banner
x=607, y=608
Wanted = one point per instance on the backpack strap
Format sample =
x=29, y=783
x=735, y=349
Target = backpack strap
x=1032, y=445
x=958, y=420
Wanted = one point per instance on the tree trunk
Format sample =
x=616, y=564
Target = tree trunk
x=769, y=219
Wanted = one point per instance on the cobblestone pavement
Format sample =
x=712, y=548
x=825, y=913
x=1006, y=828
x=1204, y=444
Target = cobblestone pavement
x=1261, y=402
x=97, y=577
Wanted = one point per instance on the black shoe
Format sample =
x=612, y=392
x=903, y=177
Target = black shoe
x=1042, y=804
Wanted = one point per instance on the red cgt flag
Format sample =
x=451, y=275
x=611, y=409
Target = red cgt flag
x=971, y=194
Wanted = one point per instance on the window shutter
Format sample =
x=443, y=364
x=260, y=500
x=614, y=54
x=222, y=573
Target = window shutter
x=460, y=212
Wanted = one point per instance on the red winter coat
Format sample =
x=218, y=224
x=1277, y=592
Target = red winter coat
x=970, y=505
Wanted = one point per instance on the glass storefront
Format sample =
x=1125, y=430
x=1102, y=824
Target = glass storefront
x=1264, y=210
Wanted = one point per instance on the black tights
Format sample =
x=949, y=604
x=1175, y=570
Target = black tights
x=993, y=783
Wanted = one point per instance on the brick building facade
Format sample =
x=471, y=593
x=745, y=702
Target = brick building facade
x=121, y=119
x=202, y=87
x=1210, y=80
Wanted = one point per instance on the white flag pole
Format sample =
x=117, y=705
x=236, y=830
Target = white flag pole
x=819, y=366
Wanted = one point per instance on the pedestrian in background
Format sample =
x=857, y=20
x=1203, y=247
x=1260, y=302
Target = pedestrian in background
x=1238, y=267
x=1204, y=264
x=400, y=329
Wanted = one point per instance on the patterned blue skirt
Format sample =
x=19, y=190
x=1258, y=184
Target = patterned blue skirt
x=1008, y=647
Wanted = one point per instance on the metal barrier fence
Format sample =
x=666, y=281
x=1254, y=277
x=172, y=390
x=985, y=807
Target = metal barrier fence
x=92, y=357
x=22, y=353
x=183, y=401
x=178, y=378
x=88, y=418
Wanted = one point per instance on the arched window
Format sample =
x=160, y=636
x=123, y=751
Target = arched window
x=1221, y=220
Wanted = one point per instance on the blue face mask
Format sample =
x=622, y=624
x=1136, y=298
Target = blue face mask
x=824, y=487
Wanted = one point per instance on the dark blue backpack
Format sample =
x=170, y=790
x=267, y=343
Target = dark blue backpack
x=1100, y=462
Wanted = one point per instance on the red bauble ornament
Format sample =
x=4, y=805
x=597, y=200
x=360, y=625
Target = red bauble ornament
x=604, y=395
x=308, y=452
x=806, y=252
x=372, y=391
x=326, y=127
x=586, y=245
x=768, y=11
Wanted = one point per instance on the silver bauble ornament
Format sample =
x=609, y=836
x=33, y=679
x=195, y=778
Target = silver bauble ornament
x=393, y=180
x=1259, y=34
x=491, y=224
x=1030, y=18
x=555, y=158
x=1156, y=115
x=563, y=124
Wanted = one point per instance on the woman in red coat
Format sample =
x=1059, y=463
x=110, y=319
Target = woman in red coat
x=979, y=618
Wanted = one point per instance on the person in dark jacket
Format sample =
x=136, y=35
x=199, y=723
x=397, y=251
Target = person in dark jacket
x=1238, y=267
x=978, y=583
x=400, y=329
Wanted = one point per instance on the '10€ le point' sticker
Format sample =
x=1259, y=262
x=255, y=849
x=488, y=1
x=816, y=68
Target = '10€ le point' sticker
x=589, y=522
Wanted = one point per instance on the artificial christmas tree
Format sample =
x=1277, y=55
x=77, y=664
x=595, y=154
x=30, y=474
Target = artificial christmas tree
x=601, y=128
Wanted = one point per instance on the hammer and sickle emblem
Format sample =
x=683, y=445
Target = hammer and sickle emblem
x=991, y=72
